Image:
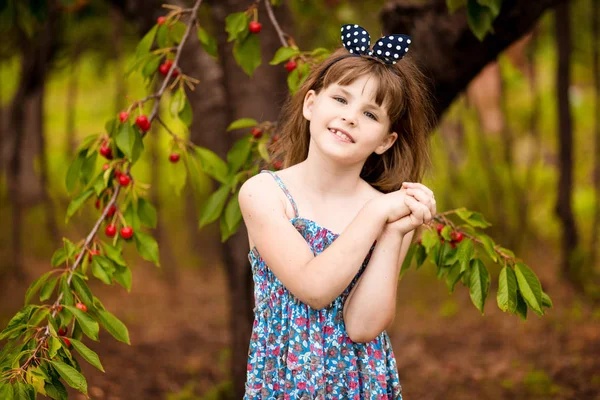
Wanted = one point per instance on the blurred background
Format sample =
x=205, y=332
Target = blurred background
x=517, y=139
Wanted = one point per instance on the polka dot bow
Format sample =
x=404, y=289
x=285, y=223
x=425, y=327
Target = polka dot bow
x=388, y=49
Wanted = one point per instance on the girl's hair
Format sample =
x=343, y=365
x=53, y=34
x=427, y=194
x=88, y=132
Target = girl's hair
x=404, y=94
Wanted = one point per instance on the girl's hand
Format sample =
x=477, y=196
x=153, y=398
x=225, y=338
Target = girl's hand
x=421, y=202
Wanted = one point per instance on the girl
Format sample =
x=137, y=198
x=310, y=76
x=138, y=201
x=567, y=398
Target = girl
x=326, y=260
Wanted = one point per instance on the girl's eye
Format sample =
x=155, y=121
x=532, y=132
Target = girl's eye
x=372, y=116
x=340, y=98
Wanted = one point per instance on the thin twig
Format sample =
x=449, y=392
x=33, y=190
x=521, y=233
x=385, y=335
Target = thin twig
x=275, y=23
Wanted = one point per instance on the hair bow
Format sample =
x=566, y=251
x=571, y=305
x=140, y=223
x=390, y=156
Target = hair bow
x=388, y=49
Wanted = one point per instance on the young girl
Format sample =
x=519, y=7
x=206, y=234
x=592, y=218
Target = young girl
x=326, y=260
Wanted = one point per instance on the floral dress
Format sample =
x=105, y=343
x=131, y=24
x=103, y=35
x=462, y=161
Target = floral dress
x=297, y=352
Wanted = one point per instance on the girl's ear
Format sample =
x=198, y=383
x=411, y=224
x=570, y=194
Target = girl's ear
x=386, y=143
x=309, y=101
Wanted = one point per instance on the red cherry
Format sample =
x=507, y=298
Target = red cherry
x=419, y=242
x=126, y=232
x=123, y=115
x=142, y=122
x=111, y=211
x=439, y=228
x=59, y=308
x=275, y=138
x=62, y=331
x=93, y=253
x=255, y=26
x=81, y=306
x=277, y=164
x=256, y=132
x=98, y=204
x=164, y=68
x=290, y=66
x=110, y=230
x=118, y=173
x=456, y=237
x=105, y=167
x=124, y=180
x=453, y=245
x=160, y=20
x=174, y=157
x=67, y=342
x=106, y=151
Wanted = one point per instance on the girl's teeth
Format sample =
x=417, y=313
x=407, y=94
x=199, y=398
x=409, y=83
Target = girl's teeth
x=339, y=134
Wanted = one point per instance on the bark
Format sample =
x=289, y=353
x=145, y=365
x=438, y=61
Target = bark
x=565, y=130
x=117, y=37
x=72, y=101
x=444, y=46
x=596, y=74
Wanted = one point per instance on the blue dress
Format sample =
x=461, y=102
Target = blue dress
x=297, y=352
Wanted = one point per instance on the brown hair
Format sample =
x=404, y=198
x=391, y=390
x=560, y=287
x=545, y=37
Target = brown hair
x=401, y=89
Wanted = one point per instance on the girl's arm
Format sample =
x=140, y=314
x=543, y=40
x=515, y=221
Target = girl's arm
x=315, y=281
x=371, y=305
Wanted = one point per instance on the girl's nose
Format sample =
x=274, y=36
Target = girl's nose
x=350, y=120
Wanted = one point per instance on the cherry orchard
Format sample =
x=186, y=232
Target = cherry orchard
x=37, y=358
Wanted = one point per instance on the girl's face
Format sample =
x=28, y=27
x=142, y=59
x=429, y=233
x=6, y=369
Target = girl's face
x=346, y=123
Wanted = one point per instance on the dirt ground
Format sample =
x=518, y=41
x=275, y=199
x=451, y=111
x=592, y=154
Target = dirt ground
x=445, y=349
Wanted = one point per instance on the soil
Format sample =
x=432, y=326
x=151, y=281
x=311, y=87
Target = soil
x=444, y=347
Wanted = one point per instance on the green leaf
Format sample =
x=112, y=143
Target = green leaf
x=114, y=253
x=546, y=300
x=247, y=53
x=236, y=25
x=23, y=391
x=212, y=164
x=147, y=247
x=6, y=391
x=36, y=285
x=123, y=277
x=88, y=168
x=242, y=123
x=233, y=214
x=412, y=249
x=66, y=291
x=147, y=213
x=100, y=272
x=284, y=54
x=507, y=290
x=74, y=171
x=521, y=306
x=262, y=150
x=70, y=248
x=59, y=257
x=186, y=116
x=214, y=205
x=131, y=216
x=87, y=354
x=77, y=202
x=150, y=67
x=145, y=44
x=453, y=276
x=429, y=239
x=176, y=31
x=19, y=320
x=82, y=289
x=238, y=154
x=454, y=5
x=530, y=287
x=54, y=344
x=421, y=256
x=473, y=218
x=489, y=245
x=465, y=251
x=479, y=284
x=56, y=390
x=114, y=326
x=87, y=323
x=162, y=37
x=480, y=19
x=129, y=141
x=446, y=232
x=177, y=102
x=493, y=5
x=48, y=289
x=293, y=80
x=70, y=375
x=209, y=43
x=111, y=126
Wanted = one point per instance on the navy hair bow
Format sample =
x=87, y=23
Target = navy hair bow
x=388, y=49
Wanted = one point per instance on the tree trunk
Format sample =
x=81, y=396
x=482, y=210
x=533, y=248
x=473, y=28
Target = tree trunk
x=72, y=101
x=444, y=45
x=258, y=98
x=565, y=130
x=117, y=37
x=596, y=67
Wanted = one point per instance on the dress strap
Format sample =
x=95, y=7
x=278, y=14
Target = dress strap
x=285, y=190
